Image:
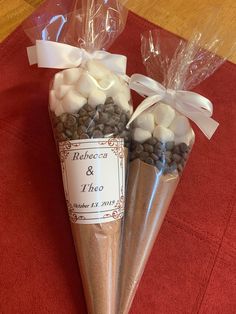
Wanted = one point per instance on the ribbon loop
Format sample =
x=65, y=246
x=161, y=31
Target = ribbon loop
x=196, y=107
x=49, y=54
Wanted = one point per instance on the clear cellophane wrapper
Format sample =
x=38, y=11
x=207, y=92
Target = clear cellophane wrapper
x=89, y=108
x=162, y=139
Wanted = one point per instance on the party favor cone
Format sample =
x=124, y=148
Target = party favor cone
x=149, y=193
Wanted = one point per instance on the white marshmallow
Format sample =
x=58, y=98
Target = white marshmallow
x=59, y=110
x=86, y=84
x=53, y=102
x=163, y=134
x=71, y=76
x=96, y=69
x=140, y=135
x=121, y=101
x=62, y=90
x=188, y=138
x=180, y=125
x=72, y=102
x=96, y=97
x=164, y=114
x=58, y=80
x=145, y=121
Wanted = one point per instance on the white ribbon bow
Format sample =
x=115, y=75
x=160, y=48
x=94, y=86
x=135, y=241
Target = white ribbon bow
x=50, y=54
x=192, y=105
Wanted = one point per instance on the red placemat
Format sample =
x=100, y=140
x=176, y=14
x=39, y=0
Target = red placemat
x=192, y=268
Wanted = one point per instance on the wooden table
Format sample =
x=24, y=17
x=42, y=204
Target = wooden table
x=177, y=16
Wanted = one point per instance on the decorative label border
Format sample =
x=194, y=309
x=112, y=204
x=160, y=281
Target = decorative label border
x=116, y=145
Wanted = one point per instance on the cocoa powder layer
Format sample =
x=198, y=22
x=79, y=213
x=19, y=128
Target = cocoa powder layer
x=98, y=252
x=149, y=194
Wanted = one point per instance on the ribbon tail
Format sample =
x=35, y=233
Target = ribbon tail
x=145, y=104
x=206, y=124
x=125, y=77
x=32, y=55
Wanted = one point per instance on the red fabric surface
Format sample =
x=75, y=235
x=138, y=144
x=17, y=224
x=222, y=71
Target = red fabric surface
x=192, y=268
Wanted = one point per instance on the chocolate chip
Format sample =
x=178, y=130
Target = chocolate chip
x=123, y=118
x=168, y=154
x=139, y=148
x=120, y=126
x=75, y=136
x=68, y=133
x=103, y=117
x=81, y=129
x=158, y=152
x=62, y=137
x=55, y=120
x=154, y=157
x=148, y=148
x=99, y=127
x=87, y=107
x=83, y=112
x=83, y=136
x=149, y=161
x=89, y=123
x=118, y=110
x=60, y=127
x=183, y=147
x=107, y=130
x=133, y=156
x=112, y=121
x=109, y=100
x=90, y=131
x=115, y=130
x=143, y=155
x=167, y=157
x=63, y=117
x=172, y=166
x=70, y=121
x=185, y=156
x=96, y=117
x=97, y=134
x=176, y=150
x=176, y=158
x=81, y=120
x=151, y=141
x=170, y=145
x=126, y=132
x=116, y=118
x=99, y=108
x=92, y=114
x=160, y=146
x=109, y=108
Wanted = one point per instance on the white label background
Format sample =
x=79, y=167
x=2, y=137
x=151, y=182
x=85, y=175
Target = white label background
x=82, y=176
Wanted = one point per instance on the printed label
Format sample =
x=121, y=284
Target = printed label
x=93, y=173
